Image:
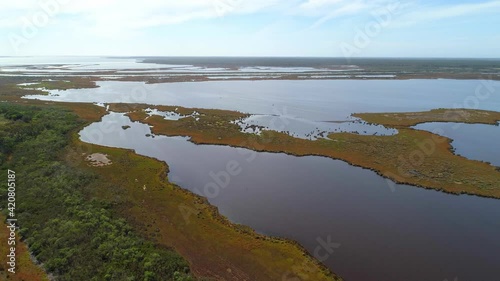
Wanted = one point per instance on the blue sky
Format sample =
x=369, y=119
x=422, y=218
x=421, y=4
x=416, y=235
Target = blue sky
x=332, y=28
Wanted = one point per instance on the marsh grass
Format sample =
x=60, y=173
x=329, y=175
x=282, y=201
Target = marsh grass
x=402, y=158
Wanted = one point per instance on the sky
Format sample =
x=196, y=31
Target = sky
x=319, y=28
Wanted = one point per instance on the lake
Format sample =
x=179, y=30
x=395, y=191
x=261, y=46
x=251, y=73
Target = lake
x=473, y=141
x=315, y=100
x=406, y=233
x=401, y=234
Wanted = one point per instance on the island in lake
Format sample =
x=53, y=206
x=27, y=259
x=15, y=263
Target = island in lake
x=251, y=169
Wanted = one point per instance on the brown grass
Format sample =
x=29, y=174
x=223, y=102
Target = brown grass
x=409, y=119
x=412, y=157
x=26, y=269
x=173, y=217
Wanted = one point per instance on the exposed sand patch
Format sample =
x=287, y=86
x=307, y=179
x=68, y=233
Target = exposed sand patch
x=99, y=160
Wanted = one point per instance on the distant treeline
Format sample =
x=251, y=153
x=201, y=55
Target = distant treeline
x=74, y=238
x=379, y=64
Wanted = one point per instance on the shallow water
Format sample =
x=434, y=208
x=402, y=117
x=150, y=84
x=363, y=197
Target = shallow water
x=70, y=64
x=307, y=129
x=473, y=141
x=405, y=233
x=316, y=100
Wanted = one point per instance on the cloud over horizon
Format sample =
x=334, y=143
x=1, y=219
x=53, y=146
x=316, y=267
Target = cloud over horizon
x=245, y=27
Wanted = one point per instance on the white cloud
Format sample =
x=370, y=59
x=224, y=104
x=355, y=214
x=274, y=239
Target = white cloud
x=110, y=21
x=433, y=13
x=130, y=13
x=119, y=18
x=326, y=10
x=315, y=4
x=349, y=9
x=410, y=11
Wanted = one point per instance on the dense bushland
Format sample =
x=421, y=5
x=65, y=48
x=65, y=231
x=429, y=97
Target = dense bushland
x=73, y=237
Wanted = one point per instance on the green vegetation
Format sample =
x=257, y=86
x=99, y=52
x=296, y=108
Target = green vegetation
x=72, y=83
x=3, y=120
x=408, y=119
x=175, y=218
x=73, y=237
x=26, y=268
x=215, y=248
x=11, y=91
x=412, y=157
x=75, y=215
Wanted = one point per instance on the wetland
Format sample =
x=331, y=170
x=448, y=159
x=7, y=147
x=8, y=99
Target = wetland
x=398, y=177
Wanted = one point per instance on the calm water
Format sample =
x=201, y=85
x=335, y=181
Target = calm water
x=301, y=108
x=321, y=100
x=403, y=234
x=307, y=129
x=474, y=141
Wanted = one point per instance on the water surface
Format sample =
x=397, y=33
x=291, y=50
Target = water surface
x=401, y=234
x=316, y=100
x=307, y=129
x=474, y=141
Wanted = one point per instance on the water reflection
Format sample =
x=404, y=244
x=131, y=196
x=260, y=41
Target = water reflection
x=473, y=141
x=319, y=100
x=410, y=234
x=312, y=130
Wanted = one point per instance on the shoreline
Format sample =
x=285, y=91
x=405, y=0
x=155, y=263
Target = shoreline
x=87, y=80
x=168, y=189
x=91, y=112
x=357, y=150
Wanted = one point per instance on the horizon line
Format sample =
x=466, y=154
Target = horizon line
x=243, y=56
